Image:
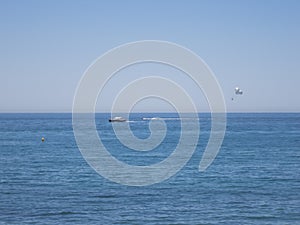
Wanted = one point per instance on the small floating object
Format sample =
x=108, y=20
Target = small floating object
x=238, y=91
x=43, y=139
x=117, y=119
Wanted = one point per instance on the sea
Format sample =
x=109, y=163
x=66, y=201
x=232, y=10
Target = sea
x=254, y=179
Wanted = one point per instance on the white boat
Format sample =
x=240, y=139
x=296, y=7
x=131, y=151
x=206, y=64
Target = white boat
x=117, y=119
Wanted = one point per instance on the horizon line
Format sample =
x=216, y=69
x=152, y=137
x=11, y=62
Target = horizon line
x=69, y=112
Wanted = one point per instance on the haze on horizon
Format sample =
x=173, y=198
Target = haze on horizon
x=46, y=46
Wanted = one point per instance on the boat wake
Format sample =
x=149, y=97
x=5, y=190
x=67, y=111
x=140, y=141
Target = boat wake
x=169, y=118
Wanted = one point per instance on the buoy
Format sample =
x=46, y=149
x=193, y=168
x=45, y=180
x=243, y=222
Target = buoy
x=43, y=139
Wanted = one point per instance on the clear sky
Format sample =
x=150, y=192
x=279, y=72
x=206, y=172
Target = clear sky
x=45, y=47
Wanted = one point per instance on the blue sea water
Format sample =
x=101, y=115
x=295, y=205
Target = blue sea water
x=255, y=179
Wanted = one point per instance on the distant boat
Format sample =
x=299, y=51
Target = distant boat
x=117, y=119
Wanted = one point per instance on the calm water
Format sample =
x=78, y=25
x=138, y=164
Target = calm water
x=255, y=178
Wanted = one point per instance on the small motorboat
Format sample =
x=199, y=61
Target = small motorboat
x=117, y=119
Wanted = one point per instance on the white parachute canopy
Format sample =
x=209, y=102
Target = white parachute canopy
x=238, y=91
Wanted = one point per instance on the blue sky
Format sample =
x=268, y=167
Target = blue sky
x=45, y=47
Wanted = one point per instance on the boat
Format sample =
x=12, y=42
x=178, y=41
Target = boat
x=117, y=119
